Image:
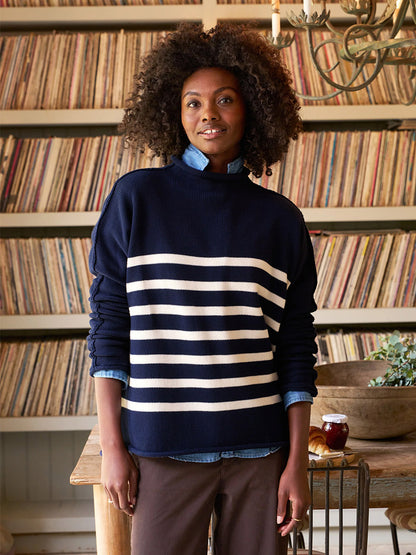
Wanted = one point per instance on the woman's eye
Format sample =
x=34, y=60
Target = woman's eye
x=192, y=104
x=225, y=100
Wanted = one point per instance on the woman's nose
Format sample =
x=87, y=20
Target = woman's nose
x=210, y=113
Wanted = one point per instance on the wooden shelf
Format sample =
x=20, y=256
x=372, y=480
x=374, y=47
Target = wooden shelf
x=49, y=219
x=208, y=11
x=113, y=116
x=358, y=316
x=46, y=423
x=322, y=215
x=47, y=118
x=44, y=322
x=369, y=112
x=360, y=214
x=93, y=15
x=323, y=317
x=262, y=12
x=40, y=517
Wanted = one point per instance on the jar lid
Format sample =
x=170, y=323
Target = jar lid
x=335, y=418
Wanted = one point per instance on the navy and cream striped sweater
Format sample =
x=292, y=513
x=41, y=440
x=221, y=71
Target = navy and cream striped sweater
x=203, y=295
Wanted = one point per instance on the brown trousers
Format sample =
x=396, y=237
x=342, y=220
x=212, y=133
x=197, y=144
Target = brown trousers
x=176, y=499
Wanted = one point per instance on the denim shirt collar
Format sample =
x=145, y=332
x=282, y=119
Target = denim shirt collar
x=196, y=159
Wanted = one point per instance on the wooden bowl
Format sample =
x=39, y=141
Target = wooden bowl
x=373, y=412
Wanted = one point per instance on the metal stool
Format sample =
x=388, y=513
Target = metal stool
x=404, y=518
x=332, y=486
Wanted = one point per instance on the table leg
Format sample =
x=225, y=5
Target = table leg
x=112, y=527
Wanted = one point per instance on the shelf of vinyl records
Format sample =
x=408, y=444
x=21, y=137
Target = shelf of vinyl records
x=48, y=387
x=377, y=283
x=93, y=69
x=334, y=176
x=113, y=116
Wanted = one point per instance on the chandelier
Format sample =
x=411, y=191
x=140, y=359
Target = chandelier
x=364, y=47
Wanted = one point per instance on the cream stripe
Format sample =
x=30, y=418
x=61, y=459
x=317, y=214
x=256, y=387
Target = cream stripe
x=207, y=383
x=201, y=407
x=272, y=323
x=207, y=335
x=188, y=310
x=213, y=286
x=201, y=360
x=170, y=258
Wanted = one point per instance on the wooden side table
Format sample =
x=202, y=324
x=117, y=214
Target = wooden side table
x=112, y=527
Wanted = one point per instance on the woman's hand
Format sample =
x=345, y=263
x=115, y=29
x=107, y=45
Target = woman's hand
x=293, y=488
x=119, y=477
x=119, y=474
x=293, y=485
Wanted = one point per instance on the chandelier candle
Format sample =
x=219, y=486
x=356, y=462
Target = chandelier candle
x=307, y=8
x=275, y=18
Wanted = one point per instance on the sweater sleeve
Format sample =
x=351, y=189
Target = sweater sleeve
x=108, y=339
x=295, y=343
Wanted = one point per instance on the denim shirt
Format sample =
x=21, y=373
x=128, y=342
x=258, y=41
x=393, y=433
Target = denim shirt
x=196, y=159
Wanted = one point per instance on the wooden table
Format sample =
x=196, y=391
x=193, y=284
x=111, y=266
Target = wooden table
x=392, y=466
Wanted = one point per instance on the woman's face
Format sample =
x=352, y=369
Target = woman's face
x=213, y=115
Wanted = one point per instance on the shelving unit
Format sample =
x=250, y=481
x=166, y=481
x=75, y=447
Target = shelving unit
x=110, y=116
x=44, y=441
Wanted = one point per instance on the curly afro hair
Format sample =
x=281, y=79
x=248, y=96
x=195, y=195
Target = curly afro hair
x=153, y=114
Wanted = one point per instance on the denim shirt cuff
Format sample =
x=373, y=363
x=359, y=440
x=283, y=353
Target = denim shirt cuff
x=115, y=374
x=295, y=397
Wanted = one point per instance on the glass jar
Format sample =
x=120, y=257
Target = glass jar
x=336, y=428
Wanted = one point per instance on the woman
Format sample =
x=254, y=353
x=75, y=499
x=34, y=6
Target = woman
x=202, y=339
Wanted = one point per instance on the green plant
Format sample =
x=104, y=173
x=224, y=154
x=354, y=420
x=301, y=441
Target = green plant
x=400, y=353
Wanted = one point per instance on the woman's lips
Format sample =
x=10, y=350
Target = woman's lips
x=211, y=132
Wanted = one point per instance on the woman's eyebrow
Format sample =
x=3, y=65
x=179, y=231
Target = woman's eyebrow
x=221, y=89
x=191, y=93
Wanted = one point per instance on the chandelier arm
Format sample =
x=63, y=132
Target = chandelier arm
x=370, y=18
x=355, y=53
x=413, y=10
x=372, y=14
x=321, y=45
x=389, y=10
x=333, y=29
x=400, y=16
x=351, y=34
x=361, y=45
x=403, y=99
x=412, y=97
x=358, y=69
x=367, y=27
x=325, y=97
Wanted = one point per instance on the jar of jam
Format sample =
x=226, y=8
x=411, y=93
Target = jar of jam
x=336, y=428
